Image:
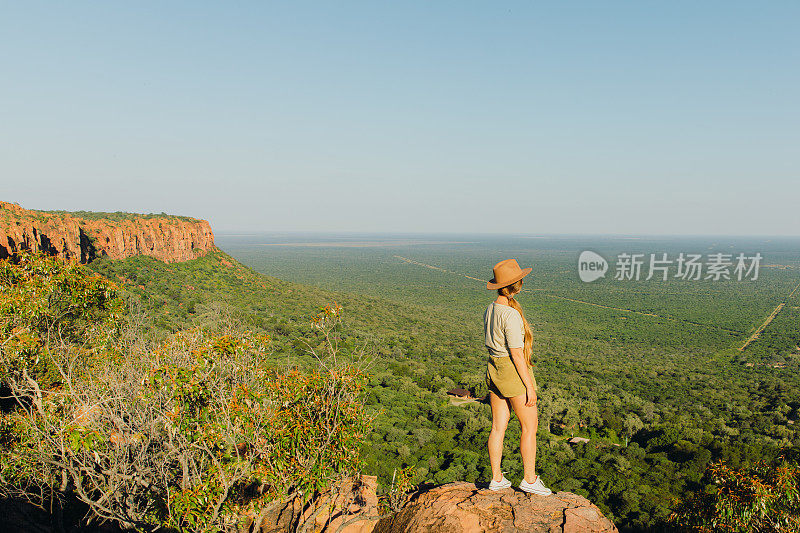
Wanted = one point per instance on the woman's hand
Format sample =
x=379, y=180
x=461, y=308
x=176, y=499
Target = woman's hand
x=531, y=393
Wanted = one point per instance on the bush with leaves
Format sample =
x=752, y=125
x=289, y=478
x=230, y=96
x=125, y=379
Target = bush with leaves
x=761, y=497
x=193, y=433
x=46, y=304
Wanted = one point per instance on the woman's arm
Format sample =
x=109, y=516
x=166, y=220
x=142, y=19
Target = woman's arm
x=518, y=359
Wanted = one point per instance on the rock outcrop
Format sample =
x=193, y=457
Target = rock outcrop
x=351, y=505
x=462, y=507
x=75, y=237
x=458, y=507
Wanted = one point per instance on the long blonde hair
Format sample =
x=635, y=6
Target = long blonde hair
x=508, y=291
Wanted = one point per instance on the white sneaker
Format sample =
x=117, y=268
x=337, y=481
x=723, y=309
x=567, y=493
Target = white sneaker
x=502, y=484
x=537, y=487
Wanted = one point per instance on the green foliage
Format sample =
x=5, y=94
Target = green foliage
x=189, y=431
x=661, y=374
x=760, y=497
x=116, y=216
x=308, y=452
x=46, y=303
x=668, y=387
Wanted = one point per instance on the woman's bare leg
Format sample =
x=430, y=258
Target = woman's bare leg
x=529, y=421
x=501, y=414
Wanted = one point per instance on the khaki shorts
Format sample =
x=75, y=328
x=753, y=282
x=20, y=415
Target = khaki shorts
x=503, y=378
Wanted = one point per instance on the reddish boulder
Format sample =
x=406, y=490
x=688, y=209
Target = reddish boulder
x=354, y=502
x=461, y=507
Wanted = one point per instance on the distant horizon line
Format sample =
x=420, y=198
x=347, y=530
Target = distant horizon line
x=233, y=233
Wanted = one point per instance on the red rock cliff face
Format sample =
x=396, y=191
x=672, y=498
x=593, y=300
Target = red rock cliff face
x=117, y=235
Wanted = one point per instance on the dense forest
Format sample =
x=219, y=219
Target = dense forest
x=657, y=385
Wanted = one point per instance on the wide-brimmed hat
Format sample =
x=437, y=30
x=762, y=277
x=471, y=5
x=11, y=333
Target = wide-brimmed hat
x=507, y=272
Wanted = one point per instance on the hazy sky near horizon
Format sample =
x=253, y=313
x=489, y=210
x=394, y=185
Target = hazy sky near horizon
x=528, y=117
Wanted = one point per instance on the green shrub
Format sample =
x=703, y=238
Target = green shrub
x=761, y=497
x=191, y=433
x=46, y=304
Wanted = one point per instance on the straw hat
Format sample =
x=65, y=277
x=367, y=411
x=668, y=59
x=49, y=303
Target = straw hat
x=505, y=273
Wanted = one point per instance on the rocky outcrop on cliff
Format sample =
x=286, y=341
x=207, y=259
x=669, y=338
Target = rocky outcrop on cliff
x=458, y=507
x=461, y=507
x=351, y=506
x=116, y=235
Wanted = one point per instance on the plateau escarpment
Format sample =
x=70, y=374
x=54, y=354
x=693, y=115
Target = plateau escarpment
x=86, y=236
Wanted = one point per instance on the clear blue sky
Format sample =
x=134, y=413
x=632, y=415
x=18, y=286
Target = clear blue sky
x=559, y=117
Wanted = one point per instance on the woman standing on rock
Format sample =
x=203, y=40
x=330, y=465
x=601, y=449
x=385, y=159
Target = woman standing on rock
x=509, y=375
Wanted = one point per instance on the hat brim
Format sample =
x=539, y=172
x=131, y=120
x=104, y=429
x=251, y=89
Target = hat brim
x=491, y=284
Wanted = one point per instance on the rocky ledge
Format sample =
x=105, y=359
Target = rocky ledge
x=458, y=507
x=462, y=507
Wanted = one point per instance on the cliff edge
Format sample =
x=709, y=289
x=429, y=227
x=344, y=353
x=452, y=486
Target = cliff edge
x=462, y=507
x=86, y=236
